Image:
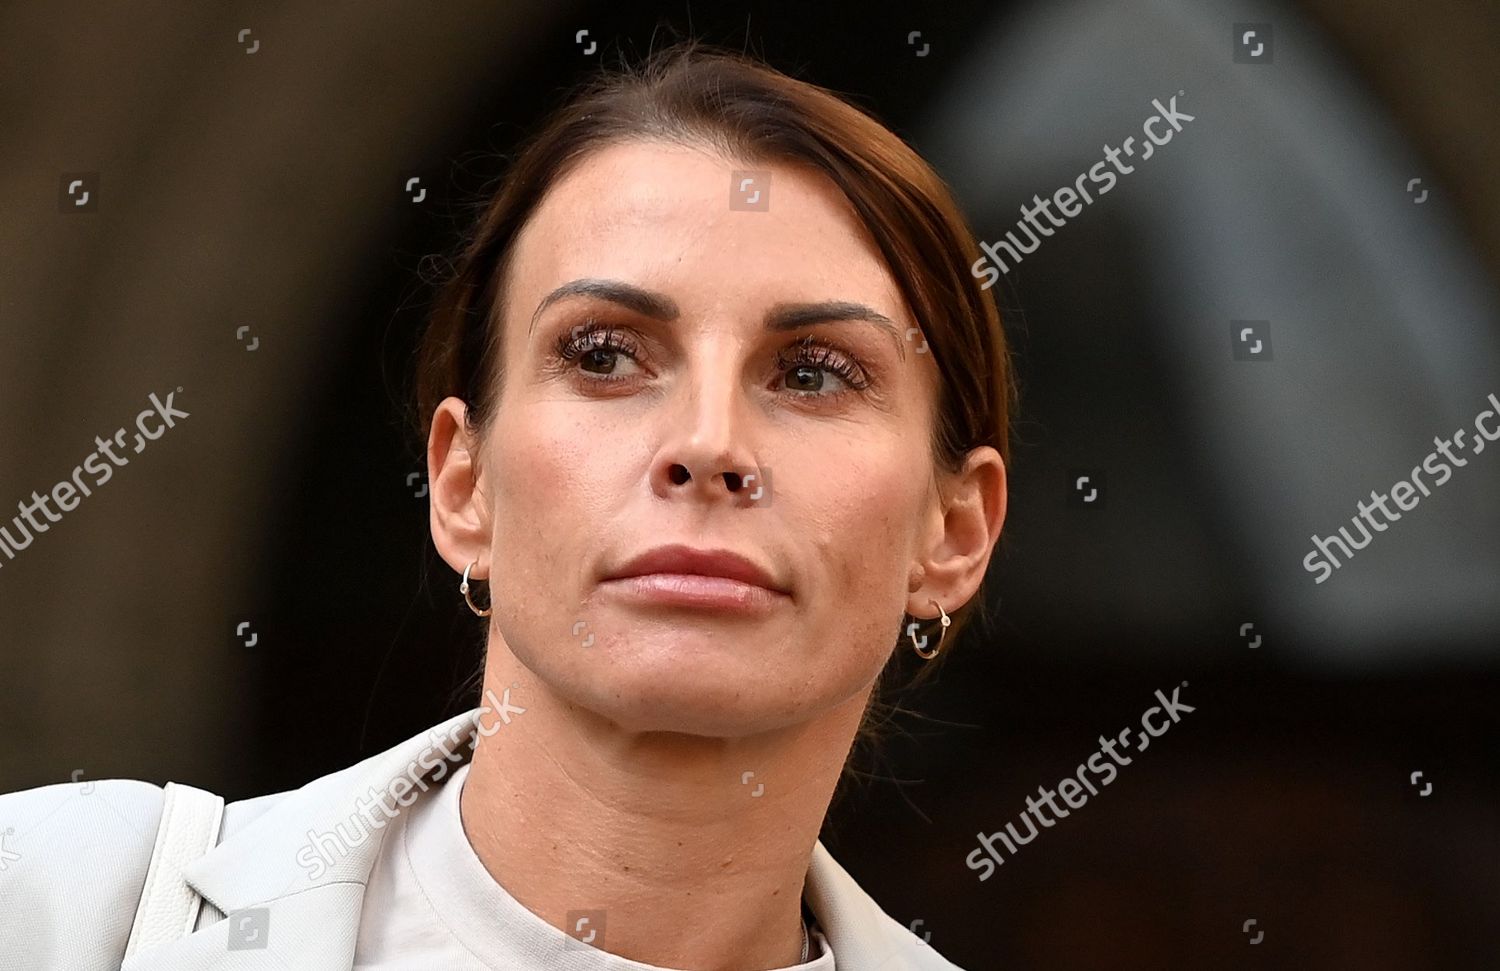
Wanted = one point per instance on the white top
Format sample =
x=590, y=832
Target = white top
x=431, y=903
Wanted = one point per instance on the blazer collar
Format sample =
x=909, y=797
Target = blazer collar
x=306, y=861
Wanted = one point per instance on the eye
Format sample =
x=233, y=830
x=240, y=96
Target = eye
x=811, y=358
x=591, y=352
x=594, y=344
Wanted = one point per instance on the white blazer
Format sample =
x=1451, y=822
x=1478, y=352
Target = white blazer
x=74, y=860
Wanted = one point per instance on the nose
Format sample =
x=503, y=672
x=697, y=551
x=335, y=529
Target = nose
x=704, y=451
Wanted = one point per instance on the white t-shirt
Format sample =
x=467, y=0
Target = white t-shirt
x=430, y=903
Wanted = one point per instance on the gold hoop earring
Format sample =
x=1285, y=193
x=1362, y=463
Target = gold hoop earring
x=463, y=588
x=911, y=632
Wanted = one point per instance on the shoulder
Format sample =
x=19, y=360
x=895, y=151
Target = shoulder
x=75, y=854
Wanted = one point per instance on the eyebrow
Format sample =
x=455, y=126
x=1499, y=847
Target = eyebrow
x=781, y=317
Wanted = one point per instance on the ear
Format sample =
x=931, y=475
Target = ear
x=958, y=552
x=459, y=510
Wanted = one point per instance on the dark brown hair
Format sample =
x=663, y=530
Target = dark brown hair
x=703, y=96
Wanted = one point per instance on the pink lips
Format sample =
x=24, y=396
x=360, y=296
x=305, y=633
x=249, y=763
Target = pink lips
x=686, y=576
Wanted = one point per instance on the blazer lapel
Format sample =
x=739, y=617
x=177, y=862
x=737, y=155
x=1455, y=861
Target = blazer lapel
x=862, y=935
x=293, y=880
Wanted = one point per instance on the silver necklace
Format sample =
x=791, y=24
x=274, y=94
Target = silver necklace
x=806, y=943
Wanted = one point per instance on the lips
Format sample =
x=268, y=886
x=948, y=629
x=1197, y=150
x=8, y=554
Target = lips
x=690, y=561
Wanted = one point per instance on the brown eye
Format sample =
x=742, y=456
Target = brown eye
x=812, y=359
x=806, y=378
x=599, y=359
x=597, y=347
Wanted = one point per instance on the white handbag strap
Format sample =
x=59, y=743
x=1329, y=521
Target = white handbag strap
x=190, y=821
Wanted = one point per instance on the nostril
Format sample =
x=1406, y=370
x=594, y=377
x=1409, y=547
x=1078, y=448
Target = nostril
x=732, y=480
x=679, y=474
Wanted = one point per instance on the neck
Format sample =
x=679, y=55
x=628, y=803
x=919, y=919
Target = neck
x=569, y=812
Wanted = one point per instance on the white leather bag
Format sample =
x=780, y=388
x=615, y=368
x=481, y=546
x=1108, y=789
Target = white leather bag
x=190, y=823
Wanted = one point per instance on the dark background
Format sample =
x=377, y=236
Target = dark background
x=266, y=190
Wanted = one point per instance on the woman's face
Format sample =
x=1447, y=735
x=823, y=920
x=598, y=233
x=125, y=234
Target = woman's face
x=606, y=446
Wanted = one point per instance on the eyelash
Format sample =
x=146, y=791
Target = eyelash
x=810, y=351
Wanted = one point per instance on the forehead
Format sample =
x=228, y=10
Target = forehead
x=660, y=215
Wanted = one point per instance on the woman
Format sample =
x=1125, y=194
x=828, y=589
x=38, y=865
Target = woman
x=716, y=423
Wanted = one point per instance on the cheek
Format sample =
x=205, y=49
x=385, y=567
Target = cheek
x=558, y=476
x=546, y=458
x=868, y=506
x=864, y=548
x=539, y=493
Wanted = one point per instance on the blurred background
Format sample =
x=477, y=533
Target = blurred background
x=259, y=580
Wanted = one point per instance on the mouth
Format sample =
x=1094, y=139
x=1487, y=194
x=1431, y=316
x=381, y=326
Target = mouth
x=693, y=590
x=684, y=576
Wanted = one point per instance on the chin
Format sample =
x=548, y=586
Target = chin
x=696, y=676
x=689, y=718
x=712, y=700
